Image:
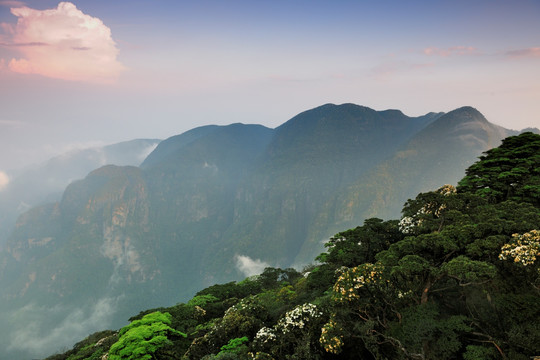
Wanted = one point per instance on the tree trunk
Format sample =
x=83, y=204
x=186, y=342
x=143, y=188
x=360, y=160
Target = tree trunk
x=425, y=292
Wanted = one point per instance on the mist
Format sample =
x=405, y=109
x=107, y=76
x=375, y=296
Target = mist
x=38, y=331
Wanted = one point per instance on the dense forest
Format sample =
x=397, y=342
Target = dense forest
x=456, y=277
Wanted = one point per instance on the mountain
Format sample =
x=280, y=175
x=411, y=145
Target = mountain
x=46, y=182
x=411, y=283
x=214, y=204
x=436, y=155
x=310, y=157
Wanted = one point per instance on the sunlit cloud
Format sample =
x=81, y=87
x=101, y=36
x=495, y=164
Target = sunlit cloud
x=451, y=51
x=533, y=52
x=63, y=43
x=4, y=180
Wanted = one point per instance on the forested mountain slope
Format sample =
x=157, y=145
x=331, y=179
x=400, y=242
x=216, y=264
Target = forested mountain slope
x=457, y=276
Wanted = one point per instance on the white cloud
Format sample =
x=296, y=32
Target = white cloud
x=249, y=266
x=4, y=180
x=63, y=43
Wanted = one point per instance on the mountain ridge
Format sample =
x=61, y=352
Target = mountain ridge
x=206, y=200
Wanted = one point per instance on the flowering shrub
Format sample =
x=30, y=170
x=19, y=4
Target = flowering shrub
x=447, y=190
x=298, y=317
x=296, y=332
x=524, y=248
x=331, y=337
x=408, y=223
x=352, y=279
x=265, y=335
x=259, y=355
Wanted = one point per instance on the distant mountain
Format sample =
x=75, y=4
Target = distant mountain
x=533, y=130
x=309, y=159
x=217, y=203
x=46, y=182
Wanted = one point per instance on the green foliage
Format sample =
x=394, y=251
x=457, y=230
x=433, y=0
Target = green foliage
x=143, y=338
x=234, y=345
x=508, y=172
x=202, y=300
x=476, y=352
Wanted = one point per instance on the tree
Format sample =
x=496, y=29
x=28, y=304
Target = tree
x=144, y=338
x=508, y=172
x=443, y=287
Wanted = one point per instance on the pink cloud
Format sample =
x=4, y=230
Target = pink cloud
x=533, y=52
x=4, y=180
x=451, y=51
x=63, y=43
x=11, y=3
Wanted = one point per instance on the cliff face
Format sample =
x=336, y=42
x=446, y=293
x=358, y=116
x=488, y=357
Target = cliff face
x=208, y=204
x=96, y=231
x=46, y=183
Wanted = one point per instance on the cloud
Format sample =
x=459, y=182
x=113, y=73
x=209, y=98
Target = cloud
x=31, y=330
x=533, y=52
x=250, y=267
x=63, y=43
x=12, y=3
x=451, y=51
x=4, y=180
x=146, y=151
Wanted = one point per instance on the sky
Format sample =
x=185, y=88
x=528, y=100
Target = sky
x=94, y=72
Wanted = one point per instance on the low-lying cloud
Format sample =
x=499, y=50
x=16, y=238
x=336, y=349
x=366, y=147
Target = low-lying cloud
x=63, y=43
x=250, y=267
x=146, y=151
x=32, y=333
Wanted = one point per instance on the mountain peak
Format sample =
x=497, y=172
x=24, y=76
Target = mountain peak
x=464, y=123
x=466, y=114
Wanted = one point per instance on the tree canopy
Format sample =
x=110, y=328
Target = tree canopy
x=508, y=172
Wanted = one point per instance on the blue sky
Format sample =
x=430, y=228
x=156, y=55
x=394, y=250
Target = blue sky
x=153, y=69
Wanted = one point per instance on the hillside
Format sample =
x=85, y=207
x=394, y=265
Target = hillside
x=215, y=204
x=455, y=277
